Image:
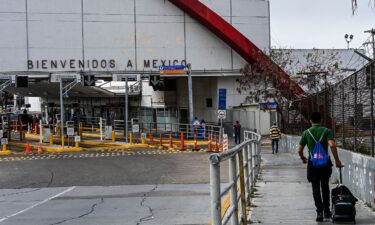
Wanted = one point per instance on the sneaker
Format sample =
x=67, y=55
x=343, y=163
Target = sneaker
x=319, y=217
x=327, y=214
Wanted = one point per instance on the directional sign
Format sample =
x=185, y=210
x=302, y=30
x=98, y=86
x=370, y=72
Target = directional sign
x=222, y=114
x=179, y=69
x=70, y=131
x=156, y=83
x=4, y=141
x=135, y=128
x=222, y=98
x=77, y=138
x=89, y=80
x=154, y=80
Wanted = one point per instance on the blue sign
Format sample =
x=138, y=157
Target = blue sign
x=222, y=98
x=268, y=106
x=178, y=67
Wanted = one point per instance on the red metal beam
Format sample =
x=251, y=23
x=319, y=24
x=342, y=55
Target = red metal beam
x=238, y=42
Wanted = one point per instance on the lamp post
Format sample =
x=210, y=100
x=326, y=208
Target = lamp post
x=348, y=38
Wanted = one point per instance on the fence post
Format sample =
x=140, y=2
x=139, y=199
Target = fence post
x=215, y=190
x=247, y=183
x=101, y=128
x=233, y=190
x=242, y=187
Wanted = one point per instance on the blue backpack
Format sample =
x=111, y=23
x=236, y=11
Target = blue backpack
x=319, y=157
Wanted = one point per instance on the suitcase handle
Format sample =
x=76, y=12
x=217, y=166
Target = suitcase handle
x=340, y=175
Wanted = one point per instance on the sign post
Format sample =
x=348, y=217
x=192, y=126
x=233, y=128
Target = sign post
x=222, y=105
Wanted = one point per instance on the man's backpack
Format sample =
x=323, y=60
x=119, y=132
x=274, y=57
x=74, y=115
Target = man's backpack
x=319, y=157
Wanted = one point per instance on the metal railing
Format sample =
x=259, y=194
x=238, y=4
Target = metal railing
x=244, y=166
x=202, y=132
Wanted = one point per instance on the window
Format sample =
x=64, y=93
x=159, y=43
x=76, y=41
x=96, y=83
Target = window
x=209, y=102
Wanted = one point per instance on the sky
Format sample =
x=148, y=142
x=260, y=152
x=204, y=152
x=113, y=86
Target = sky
x=319, y=23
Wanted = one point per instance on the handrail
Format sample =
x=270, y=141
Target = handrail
x=244, y=166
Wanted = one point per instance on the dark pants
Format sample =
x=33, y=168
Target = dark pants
x=319, y=179
x=237, y=138
x=275, y=145
x=321, y=189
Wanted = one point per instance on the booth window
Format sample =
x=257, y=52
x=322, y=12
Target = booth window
x=209, y=102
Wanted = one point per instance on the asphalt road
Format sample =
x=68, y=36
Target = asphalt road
x=135, y=188
x=138, y=169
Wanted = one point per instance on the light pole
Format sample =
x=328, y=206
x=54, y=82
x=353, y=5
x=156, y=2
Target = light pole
x=190, y=89
x=348, y=38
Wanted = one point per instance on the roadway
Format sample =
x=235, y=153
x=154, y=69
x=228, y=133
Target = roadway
x=128, y=187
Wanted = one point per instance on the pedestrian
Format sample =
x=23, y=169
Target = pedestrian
x=237, y=132
x=275, y=134
x=196, y=123
x=319, y=176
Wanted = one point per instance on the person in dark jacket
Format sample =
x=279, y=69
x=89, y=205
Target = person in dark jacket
x=237, y=132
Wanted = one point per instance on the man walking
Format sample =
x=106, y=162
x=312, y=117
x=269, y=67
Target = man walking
x=275, y=134
x=237, y=132
x=319, y=176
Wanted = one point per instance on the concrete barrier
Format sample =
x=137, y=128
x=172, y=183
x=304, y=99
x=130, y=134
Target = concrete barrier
x=358, y=173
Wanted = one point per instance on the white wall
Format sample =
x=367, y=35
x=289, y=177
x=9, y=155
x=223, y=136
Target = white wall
x=35, y=103
x=109, y=29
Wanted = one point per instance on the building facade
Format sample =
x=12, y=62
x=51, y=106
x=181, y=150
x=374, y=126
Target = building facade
x=41, y=37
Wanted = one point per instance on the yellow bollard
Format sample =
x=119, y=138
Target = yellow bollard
x=4, y=147
x=62, y=141
x=51, y=139
x=131, y=138
x=143, y=141
x=113, y=136
x=77, y=144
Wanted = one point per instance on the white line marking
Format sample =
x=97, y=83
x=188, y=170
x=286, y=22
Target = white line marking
x=37, y=204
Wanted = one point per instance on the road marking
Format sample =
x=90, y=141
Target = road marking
x=36, y=204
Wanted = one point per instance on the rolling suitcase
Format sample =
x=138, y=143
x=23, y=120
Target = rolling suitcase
x=343, y=203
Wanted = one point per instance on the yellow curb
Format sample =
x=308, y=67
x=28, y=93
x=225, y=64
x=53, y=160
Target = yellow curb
x=6, y=152
x=90, y=129
x=47, y=148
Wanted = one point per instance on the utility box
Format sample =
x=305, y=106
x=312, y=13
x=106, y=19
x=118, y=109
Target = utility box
x=108, y=132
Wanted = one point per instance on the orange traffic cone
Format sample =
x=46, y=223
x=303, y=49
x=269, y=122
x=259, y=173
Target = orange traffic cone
x=28, y=148
x=40, y=150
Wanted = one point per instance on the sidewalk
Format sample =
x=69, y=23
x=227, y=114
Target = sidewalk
x=284, y=195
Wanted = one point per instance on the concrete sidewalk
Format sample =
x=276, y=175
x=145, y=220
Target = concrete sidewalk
x=284, y=195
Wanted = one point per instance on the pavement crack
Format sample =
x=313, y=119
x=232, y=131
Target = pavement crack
x=93, y=206
x=32, y=190
x=151, y=211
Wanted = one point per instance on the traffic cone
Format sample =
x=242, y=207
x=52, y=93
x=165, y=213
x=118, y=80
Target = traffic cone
x=209, y=143
x=40, y=150
x=28, y=148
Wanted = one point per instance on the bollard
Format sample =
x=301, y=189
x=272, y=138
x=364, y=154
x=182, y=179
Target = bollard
x=77, y=144
x=130, y=138
x=143, y=140
x=182, y=147
x=152, y=138
x=170, y=140
x=161, y=140
x=195, y=142
x=216, y=144
x=4, y=147
x=209, y=143
x=50, y=138
x=113, y=136
x=62, y=142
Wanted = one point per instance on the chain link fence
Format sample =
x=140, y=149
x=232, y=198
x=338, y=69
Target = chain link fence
x=347, y=108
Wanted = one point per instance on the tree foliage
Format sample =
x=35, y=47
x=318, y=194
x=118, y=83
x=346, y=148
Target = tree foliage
x=312, y=70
